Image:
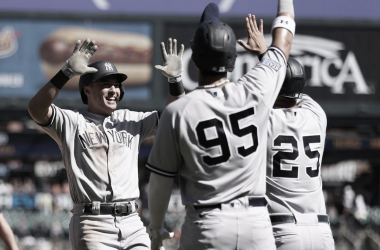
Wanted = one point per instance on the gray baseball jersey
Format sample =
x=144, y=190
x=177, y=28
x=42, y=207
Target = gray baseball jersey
x=296, y=139
x=215, y=139
x=100, y=153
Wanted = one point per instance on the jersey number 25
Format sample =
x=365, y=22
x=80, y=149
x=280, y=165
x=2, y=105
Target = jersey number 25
x=221, y=139
x=293, y=173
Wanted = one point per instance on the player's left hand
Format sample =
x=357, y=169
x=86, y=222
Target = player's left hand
x=256, y=42
x=77, y=63
x=157, y=236
x=172, y=67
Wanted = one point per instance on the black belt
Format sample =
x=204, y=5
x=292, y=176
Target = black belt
x=291, y=219
x=111, y=208
x=253, y=202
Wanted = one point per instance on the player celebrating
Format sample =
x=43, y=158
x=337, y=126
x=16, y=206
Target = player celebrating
x=296, y=136
x=214, y=139
x=100, y=147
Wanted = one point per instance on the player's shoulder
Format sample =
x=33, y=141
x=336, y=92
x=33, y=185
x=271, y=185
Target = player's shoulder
x=66, y=113
x=234, y=86
x=185, y=101
x=176, y=106
x=180, y=108
x=311, y=106
x=290, y=117
x=55, y=107
x=282, y=114
x=313, y=116
x=274, y=58
x=126, y=114
x=123, y=112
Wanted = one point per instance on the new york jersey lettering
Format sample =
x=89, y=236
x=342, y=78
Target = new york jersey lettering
x=91, y=139
x=121, y=137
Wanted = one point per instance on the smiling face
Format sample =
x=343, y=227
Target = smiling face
x=103, y=95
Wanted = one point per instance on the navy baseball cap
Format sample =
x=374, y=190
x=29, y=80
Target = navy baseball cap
x=105, y=68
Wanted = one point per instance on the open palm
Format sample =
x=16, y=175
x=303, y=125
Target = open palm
x=256, y=42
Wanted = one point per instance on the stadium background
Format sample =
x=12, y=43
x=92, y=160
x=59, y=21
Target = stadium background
x=337, y=42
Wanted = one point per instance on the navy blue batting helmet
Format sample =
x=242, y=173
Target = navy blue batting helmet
x=295, y=80
x=214, y=43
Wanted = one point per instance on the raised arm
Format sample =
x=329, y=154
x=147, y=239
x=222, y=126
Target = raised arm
x=172, y=69
x=283, y=27
x=40, y=105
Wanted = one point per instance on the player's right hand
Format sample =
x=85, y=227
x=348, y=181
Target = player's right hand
x=172, y=67
x=157, y=236
x=77, y=63
x=256, y=42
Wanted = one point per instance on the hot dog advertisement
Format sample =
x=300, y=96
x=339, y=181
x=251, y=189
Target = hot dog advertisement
x=130, y=52
x=33, y=51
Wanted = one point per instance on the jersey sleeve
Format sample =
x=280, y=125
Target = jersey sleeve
x=306, y=102
x=165, y=157
x=63, y=122
x=149, y=124
x=266, y=78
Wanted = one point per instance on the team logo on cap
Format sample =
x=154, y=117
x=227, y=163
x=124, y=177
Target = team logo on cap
x=108, y=66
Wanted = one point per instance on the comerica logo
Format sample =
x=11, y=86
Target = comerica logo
x=321, y=55
x=324, y=60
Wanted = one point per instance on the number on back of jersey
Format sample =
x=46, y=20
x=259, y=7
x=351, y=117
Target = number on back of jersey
x=280, y=156
x=221, y=139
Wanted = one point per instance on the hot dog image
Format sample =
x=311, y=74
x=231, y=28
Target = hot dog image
x=130, y=52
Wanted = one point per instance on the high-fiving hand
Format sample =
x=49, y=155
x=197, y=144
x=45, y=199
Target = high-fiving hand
x=77, y=63
x=172, y=67
x=256, y=42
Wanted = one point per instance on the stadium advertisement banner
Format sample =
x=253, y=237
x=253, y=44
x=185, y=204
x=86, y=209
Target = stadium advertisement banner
x=364, y=9
x=341, y=64
x=33, y=51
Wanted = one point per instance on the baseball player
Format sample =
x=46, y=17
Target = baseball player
x=214, y=139
x=296, y=138
x=100, y=147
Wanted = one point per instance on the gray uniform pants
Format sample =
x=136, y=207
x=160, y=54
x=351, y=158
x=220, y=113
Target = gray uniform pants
x=305, y=235
x=90, y=232
x=234, y=226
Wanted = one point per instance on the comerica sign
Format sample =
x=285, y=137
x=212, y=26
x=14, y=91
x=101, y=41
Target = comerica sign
x=324, y=56
x=323, y=59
